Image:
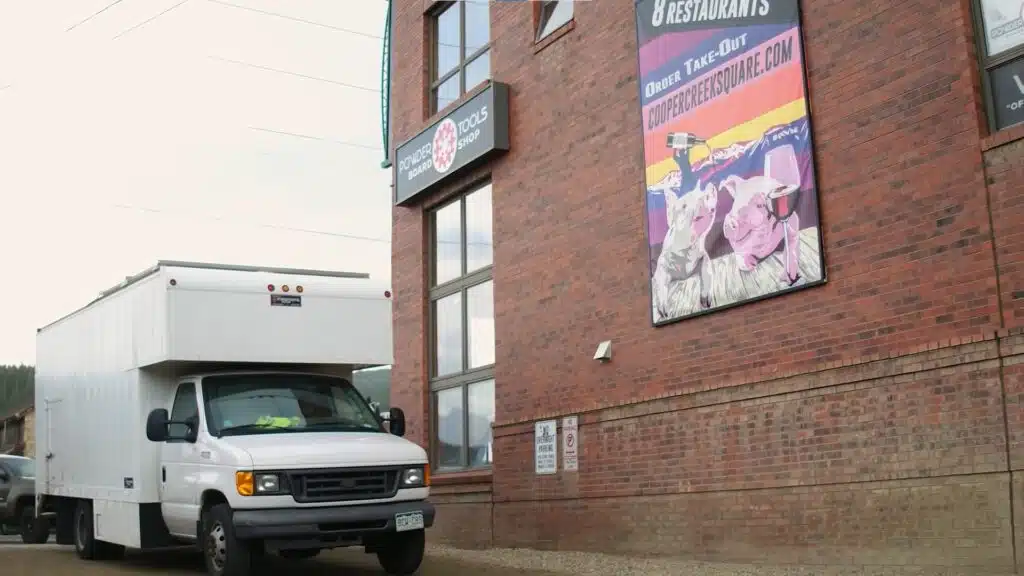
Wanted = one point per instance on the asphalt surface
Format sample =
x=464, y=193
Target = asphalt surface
x=21, y=559
x=53, y=560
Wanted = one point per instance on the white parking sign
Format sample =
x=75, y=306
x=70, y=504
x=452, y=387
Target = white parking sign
x=570, y=444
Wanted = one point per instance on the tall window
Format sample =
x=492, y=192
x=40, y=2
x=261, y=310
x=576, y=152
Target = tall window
x=462, y=321
x=553, y=15
x=461, y=50
x=1000, y=26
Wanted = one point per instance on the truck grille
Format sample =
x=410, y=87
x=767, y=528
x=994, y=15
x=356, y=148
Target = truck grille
x=341, y=485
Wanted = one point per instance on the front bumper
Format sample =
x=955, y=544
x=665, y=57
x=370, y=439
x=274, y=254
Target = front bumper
x=334, y=521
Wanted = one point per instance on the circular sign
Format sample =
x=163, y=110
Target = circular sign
x=446, y=139
x=570, y=439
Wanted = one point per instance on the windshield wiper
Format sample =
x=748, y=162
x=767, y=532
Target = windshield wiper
x=262, y=427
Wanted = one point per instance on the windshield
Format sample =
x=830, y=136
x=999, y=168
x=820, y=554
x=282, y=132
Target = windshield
x=283, y=403
x=22, y=467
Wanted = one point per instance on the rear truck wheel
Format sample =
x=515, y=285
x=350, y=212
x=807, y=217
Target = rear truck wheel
x=224, y=554
x=86, y=545
x=304, y=554
x=34, y=530
x=401, y=553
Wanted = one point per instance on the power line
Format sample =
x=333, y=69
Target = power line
x=95, y=14
x=290, y=73
x=255, y=224
x=147, y=21
x=296, y=19
x=318, y=138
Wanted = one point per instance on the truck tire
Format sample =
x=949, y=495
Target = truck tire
x=33, y=530
x=402, y=553
x=224, y=554
x=86, y=545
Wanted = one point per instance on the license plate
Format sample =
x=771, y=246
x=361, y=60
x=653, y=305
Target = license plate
x=408, y=521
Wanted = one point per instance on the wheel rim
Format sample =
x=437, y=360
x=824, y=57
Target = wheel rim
x=217, y=547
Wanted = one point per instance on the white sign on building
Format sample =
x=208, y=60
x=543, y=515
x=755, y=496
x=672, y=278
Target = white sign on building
x=545, y=447
x=570, y=444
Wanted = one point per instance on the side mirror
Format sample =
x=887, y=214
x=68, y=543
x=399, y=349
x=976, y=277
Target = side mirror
x=156, y=425
x=396, y=421
x=3, y=476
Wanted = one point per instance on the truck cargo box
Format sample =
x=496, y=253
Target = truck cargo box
x=103, y=368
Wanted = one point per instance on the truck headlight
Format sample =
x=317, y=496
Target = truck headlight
x=418, y=477
x=267, y=483
x=250, y=483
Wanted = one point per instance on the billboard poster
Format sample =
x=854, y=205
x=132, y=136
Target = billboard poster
x=731, y=195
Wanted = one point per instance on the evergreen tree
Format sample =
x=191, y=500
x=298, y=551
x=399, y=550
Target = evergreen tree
x=17, y=388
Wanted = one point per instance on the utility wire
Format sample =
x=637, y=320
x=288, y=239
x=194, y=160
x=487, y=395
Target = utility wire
x=311, y=22
x=255, y=224
x=295, y=19
x=147, y=21
x=317, y=138
x=306, y=76
x=95, y=14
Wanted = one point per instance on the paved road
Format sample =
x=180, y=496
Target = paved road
x=55, y=560
x=17, y=559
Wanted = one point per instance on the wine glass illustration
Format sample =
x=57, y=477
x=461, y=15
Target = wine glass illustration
x=780, y=164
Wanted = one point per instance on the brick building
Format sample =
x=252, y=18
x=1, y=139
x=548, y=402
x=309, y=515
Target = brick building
x=849, y=392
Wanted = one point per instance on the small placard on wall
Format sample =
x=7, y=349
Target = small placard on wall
x=570, y=444
x=545, y=447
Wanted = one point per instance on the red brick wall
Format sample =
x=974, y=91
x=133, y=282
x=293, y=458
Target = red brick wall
x=831, y=386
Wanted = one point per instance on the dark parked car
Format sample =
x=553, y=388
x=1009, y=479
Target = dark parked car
x=17, y=499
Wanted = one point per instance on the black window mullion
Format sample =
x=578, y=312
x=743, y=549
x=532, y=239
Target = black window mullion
x=462, y=49
x=465, y=426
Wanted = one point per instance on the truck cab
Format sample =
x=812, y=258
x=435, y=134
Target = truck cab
x=291, y=463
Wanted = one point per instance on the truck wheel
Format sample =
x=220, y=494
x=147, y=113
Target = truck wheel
x=402, y=553
x=85, y=545
x=33, y=530
x=299, y=554
x=224, y=554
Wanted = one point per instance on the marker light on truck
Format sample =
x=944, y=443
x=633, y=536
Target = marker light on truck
x=270, y=287
x=284, y=288
x=298, y=289
x=244, y=483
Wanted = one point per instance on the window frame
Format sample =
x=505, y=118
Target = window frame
x=987, y=63
x=462, y=284
x=174, y=403
x=437, y=80
x=541, y=22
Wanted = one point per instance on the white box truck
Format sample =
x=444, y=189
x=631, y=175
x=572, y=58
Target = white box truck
x=211, y=405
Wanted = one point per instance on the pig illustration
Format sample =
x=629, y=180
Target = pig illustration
x=683, y=251
x=751, y=229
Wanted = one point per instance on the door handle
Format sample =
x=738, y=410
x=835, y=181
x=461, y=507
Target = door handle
x=163, y=471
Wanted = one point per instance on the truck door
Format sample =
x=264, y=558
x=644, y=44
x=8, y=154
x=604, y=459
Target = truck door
x=179, y=461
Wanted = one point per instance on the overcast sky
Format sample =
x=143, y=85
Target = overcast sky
x=124, y=141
